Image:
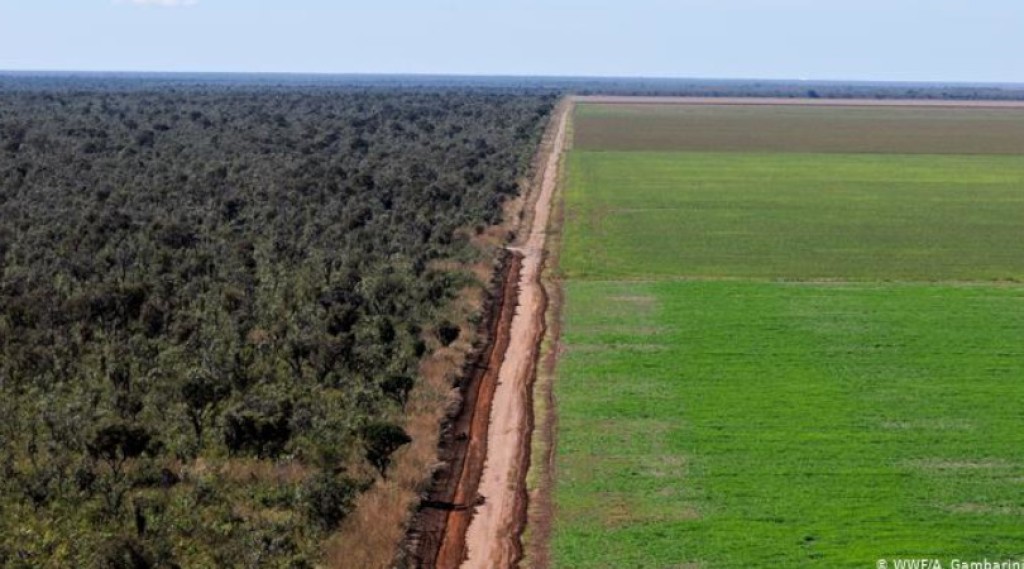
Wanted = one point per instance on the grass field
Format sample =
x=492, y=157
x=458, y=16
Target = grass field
x=790, y=360
x=912, y=130
x=798, y=216
x=787, y=425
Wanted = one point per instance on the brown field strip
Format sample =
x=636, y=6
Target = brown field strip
x=792, y=101
x=801, y=125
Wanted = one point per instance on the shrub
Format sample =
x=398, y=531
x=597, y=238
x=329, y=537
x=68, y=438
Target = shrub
x=328, y=498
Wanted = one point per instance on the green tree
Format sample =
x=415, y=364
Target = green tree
x=380, y=441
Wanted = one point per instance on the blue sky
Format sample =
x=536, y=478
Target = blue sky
x=936, y=40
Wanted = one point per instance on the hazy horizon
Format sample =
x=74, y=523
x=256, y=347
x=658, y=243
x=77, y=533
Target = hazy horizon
x=342, y=74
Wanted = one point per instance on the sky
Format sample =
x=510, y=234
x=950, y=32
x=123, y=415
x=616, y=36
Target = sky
x=877, y=40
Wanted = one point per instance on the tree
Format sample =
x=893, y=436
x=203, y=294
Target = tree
x=126, y=553
x=115, y=444
x=202, y=396
x=119, y=442
x=259, y=427
x=397, y=388
x=380, y=441
x=448, y=333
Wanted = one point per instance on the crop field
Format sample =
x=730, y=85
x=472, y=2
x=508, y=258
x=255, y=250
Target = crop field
x=794, y=128
x=779, y=359
x=794, y=216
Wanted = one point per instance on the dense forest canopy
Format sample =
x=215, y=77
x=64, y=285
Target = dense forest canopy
x=197, y=276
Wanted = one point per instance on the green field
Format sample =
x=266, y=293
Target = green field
x=794, y=216
x=790, y=360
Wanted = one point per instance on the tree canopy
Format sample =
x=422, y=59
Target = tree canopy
x=202, y=289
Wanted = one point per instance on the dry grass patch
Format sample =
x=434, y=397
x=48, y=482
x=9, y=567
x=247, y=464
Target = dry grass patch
x=940, y=464
x=984, y=509
x=367, y=538
x=244, y=470
x=939, y=424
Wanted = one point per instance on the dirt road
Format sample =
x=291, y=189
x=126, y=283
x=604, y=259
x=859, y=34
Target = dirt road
x=492, y=540
x=475, y=509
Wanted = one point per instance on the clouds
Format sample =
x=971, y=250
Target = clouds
x=161, y=3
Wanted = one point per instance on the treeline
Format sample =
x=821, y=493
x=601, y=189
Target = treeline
x=676, y=87
x=797, y=89
x=213, y=303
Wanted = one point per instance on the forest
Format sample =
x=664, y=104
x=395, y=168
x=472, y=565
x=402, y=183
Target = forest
x=645, y=86
x=213, y=301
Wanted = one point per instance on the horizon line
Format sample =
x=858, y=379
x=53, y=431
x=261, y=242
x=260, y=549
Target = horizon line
x=365, y=74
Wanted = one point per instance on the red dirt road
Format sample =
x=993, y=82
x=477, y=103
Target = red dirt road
x=476, y=508
x=493, y=538
x=475, y=424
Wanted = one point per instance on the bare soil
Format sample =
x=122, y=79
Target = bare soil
x=802, y=126
x=493, y=537
x=476, y=508
x=438, y=530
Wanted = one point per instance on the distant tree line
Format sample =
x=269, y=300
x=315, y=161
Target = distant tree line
x=213, y=302
x=224, y=82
